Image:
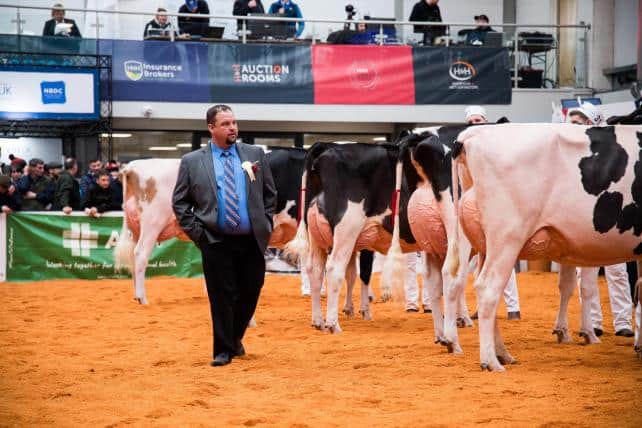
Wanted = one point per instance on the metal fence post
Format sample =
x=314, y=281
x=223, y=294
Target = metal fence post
x=516, y=56
x=244, y=35
x=380, y=34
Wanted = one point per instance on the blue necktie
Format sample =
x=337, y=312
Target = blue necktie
x=232, y=217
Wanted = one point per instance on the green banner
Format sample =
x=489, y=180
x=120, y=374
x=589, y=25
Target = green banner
x=50, y=246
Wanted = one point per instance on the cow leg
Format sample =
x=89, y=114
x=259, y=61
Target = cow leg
x=351, y=277
x=500, y=349
x=364, y=308
x=142, y=252
x=453, y=291
x=566, y=284
x=315, y=265
x=489, y=286
x=638, y=313
x=588, y=289
x=463, y=316
x=434, y=282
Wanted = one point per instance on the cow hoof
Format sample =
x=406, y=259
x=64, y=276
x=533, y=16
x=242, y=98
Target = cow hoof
x=461, y=323
x=385, y=297
x=141, y=300
x=589, y=338
x=504, y=360
x=333, y=329
x=371, y=299
x=348, y=312
x=485, y=366
x=318, y=326
x=365, y=315
x=562, y=336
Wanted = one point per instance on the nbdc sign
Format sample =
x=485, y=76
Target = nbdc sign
x=53, y=92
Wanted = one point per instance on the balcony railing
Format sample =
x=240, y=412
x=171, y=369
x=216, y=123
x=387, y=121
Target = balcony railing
x=542, y=55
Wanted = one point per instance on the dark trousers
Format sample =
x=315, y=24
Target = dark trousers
x=234, y=273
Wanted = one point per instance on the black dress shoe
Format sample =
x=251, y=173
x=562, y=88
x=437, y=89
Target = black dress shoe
x=427, y=311
x=598, y=332
x=625, y=332
x=221, y=359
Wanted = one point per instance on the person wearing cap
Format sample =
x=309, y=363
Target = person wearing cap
x=159, y=26
x=477, y=36
x=9, y=198
x=617, y=277
x=190, y=25
x=476, y=115
x=52, y=27
x=67, y=193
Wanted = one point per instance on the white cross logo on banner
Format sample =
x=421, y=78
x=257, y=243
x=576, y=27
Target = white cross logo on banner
x=80, y=239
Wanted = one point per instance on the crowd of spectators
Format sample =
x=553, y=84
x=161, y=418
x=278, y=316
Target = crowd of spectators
x=40, y=186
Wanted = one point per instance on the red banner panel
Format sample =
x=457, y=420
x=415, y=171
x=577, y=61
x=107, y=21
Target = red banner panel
x=345, y=74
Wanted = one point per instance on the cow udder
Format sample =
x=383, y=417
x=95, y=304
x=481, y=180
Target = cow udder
x=426, y=224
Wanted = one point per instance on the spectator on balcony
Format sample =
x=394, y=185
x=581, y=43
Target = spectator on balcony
x=244, y=8
x=9, y=197
x=477, y=36
x=427, y=11
x=58, y=25
x=159, y=26
x=100, y=198
x=67, y=194
x=289, y=9
x=88, y=181
x=194, y=26
x=36, y=190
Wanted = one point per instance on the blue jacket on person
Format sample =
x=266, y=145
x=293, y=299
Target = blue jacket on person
x=290, y=10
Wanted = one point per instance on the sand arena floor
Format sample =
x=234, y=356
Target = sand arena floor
x=82, y=353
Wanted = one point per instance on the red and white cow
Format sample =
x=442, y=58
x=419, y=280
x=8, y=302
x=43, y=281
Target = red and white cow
x=149, y=217
x=568, y=193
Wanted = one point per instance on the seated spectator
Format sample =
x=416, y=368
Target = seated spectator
x=67, y=193
x=116, y=185
x=427, y=11
x=244, y=8
x=100, y=198
x=36, y=190
x=9, y=198
x=478, y=35
x=88, y=181
x=289, y=9
x=475, y=115
x=194, y=26
x=58, y=25
x=159, y=26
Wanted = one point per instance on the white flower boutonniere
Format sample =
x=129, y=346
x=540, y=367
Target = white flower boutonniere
x=250, y=168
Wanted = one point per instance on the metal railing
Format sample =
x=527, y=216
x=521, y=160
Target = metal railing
x=581, y=35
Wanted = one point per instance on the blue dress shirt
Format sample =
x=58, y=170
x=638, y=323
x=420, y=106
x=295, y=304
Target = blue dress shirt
x=245, y=227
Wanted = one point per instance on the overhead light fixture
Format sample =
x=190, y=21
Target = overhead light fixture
x=182, y=145
x=379, y=139
x=116, y=135
x=162, y=149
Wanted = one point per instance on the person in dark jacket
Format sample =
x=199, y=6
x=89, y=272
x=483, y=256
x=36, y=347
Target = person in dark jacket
x=428, y=11
x=88, y=181
x=477, y=36
x=194, y=26
x=101, y=197
x=289, y=9
x=116, y=185
x=36, y=190
x=159, y=26
x=67, y=194
x=9, y=197
x=58, y=17
x=244, y=8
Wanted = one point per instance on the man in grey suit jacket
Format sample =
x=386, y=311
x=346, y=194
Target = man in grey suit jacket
x=224, y=200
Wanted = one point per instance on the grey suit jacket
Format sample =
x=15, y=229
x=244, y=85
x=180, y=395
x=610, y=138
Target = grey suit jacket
x=195, y=203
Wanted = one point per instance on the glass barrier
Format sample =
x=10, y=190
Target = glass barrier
x=548, y=57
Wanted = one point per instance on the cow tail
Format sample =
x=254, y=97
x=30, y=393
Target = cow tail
x=452, y=257
x=393, y=268
x=298, y=247
x=124, y=249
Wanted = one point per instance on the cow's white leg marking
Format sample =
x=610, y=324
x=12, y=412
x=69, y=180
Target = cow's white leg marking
x=500, y=349
x=351, y=277
x=588, y=288
x=566, y=284
x=435, y=290
x=315, y=264
x=453, y=292
x=345, y=237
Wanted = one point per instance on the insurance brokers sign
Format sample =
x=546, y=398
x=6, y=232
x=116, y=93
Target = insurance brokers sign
x=48, y=93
